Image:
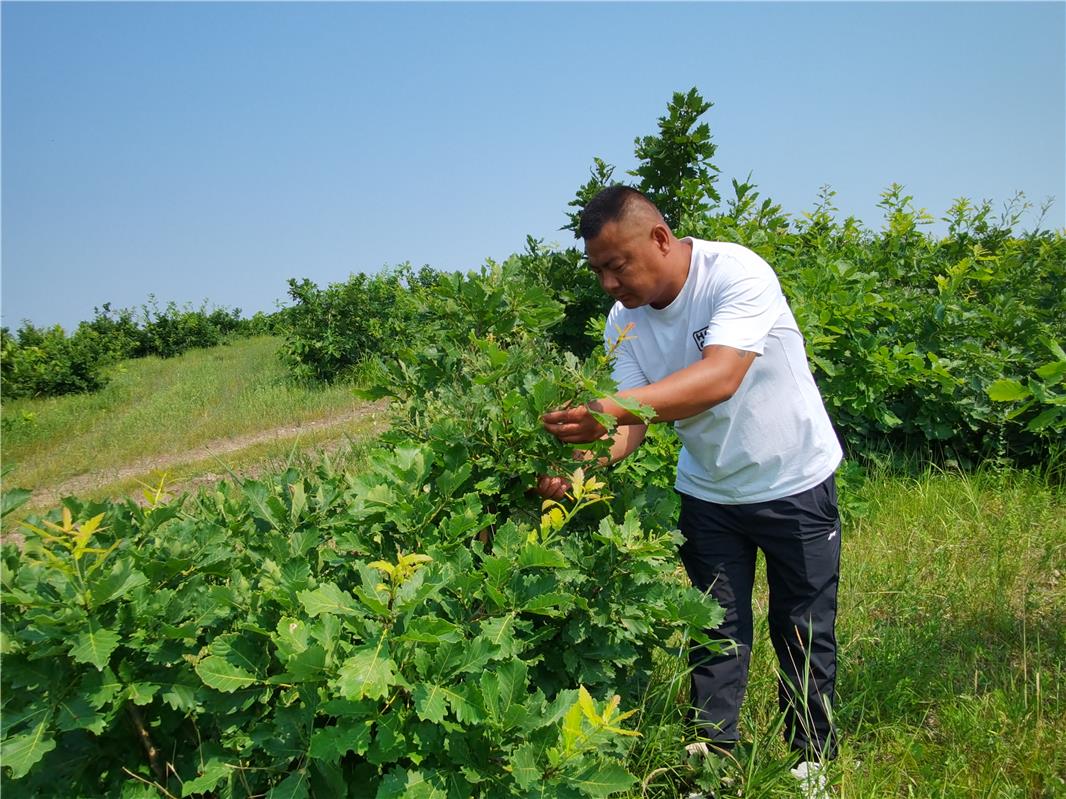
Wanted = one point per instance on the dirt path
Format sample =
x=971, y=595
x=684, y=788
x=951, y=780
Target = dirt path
x=370, y=415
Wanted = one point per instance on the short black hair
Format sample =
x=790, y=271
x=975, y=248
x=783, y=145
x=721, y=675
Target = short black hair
x=609, y=205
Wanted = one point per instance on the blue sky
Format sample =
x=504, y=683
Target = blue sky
x=209, y=151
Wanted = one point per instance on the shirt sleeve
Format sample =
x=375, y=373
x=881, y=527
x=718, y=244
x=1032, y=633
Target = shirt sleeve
x=746, y=306
x=625, y=370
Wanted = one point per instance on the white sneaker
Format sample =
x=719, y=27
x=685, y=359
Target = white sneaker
x=812, y=780
x=698, y=748
x=702, y=749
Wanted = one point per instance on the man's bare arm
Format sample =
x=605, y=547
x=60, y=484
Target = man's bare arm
x=626, y=440
x=702, y=385
x=713, y=379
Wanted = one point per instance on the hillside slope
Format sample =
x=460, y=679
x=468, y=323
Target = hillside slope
x=192, y=417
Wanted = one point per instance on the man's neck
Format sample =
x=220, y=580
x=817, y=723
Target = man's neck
x=678, y=264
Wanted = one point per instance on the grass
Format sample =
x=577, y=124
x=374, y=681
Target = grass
x=161, y=409
x=303, y=451
x=952, y=652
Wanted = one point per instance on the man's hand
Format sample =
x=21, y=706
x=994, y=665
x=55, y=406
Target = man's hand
x=573, y=425
x=552, y=487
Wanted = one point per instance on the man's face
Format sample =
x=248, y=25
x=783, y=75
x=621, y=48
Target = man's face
x=627, y=261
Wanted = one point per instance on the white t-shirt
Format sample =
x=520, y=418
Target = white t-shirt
x=773, y=438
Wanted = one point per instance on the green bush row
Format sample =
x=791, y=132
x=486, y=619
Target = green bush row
x=329, y=331
x=48, y=362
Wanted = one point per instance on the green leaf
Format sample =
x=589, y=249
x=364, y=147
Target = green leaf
x=100, y=687
x=603, y=779
x=503, y=689
x=465, y=712
x=389, y=744
x=572, y=726
x=1052, y=373
x=524, y=766
x=295, y=786
x=588, y=707
x=220, y=674
x=95, y=646
x=431, y=630
x=450, y=481
x=550, y=604
x=21, y=752
x=303, y=541
x=403, y=784
x=76, y=713
x=1055, y=348
x=369, y=673
x=328, y=779
x=889, y=419
x=181, y=696
x=328, y=598
x=1005, y=390
x=299, y=500
x=138, y=790
x=1050, y=417
x=465, y=657
x=295, y=575
x=346, y=708
x=214, y=770
x=372, y=601
x=309, y=665
x=122, y=579
x=499, y=633
x=290, y=638
x=372, y=393
x=331, y=743
x=558, y=709
x=644, y=412
x=141, y=693
x=244, y=652
x=537, y=556
x=265, y=505
x=327, y=632
x=429, y=703
x=825, y=365
x=15, y=498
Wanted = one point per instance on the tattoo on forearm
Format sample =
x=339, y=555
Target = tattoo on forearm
x=742, y=354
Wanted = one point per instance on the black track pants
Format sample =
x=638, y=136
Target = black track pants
x=800, y=538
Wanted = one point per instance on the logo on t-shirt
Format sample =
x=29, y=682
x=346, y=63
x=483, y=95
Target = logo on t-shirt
x=700, y=336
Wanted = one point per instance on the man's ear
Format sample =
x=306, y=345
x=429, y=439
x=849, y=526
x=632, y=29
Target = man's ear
x=661, y=236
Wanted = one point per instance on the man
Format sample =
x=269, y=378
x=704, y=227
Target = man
x=715, y=349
